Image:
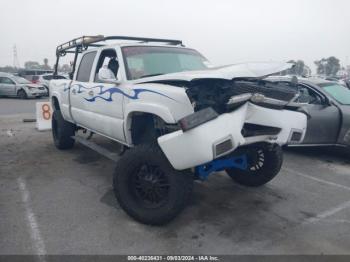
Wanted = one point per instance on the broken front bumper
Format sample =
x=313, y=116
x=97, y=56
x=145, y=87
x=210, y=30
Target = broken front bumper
x=223, y=135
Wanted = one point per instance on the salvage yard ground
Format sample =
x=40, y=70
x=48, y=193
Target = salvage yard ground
x=61, y=202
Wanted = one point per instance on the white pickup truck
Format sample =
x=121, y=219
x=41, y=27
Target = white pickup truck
x=179, y=118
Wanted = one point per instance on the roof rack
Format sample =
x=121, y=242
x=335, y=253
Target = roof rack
x=82, y=43
x=78, y=45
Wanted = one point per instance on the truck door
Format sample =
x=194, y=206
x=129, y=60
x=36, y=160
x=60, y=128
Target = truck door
x=79, y=88
x=101, y=104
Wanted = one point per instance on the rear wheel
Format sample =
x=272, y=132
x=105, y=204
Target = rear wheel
x=22, y=94
x=62, y=131
x=264, y=163
x=148, y=188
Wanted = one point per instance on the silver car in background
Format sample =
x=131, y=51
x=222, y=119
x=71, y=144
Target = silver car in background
x=15, y=86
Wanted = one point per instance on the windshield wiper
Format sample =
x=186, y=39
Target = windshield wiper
x=150, y=75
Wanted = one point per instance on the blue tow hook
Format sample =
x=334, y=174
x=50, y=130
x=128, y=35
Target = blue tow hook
x=203, y=171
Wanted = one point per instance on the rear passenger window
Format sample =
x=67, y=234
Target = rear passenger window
x=85, y=67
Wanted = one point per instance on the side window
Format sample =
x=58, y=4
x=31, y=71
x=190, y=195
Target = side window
x=104, y=61
x=306, y=95
x=6, y=81
x=85, y=67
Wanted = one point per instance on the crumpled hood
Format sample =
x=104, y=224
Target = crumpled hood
x=243, y=70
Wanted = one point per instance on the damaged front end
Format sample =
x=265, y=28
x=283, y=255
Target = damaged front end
x=248, y=124
x=229, y=115
x=226, y=95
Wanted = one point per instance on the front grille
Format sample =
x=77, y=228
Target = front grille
x=267, y=89
x=216, y=93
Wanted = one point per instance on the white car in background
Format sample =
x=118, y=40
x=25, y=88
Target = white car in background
x=15, y=86
x=45, y=80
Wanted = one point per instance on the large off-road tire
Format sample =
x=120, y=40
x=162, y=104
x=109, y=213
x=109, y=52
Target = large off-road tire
x=264, y=163
x=22, y=94
x=148, y=188
x=62, y=131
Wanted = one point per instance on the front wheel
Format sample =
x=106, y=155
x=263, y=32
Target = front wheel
x=264, y=163
x=22, y=94
x=148, y=188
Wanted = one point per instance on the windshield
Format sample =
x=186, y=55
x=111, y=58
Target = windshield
x=143, y=61
x=21, y=80
x=338, y=92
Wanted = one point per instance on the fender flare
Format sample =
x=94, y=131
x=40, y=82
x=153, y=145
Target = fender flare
x=154, y=109
x=55, y=95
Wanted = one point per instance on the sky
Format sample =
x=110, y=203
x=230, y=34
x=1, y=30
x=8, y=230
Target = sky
x=225, y=31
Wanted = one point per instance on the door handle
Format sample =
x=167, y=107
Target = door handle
x=91, y=93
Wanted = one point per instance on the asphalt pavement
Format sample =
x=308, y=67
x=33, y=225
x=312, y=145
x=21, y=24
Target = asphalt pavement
x=11, y=106
x=61, y=202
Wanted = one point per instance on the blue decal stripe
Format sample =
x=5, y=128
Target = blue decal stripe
x=111, y=91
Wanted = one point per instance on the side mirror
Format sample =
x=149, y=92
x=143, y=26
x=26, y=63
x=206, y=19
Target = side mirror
x=106, y=76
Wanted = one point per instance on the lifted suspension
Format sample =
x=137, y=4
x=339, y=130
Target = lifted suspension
x=203, y=171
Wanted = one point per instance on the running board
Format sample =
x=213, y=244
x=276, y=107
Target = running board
x=97, y=148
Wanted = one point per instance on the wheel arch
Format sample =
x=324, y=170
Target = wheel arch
x=142, y=126
x=55, y=103
x=143, y=109
x=21, y=89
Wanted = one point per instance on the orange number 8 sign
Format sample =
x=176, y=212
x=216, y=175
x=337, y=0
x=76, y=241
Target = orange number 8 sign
x=46, y=111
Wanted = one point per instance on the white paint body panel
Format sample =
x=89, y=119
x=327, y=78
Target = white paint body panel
x=58, y=89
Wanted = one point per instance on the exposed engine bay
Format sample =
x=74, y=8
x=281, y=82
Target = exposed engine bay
x=220, y=94
x=213, y=97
